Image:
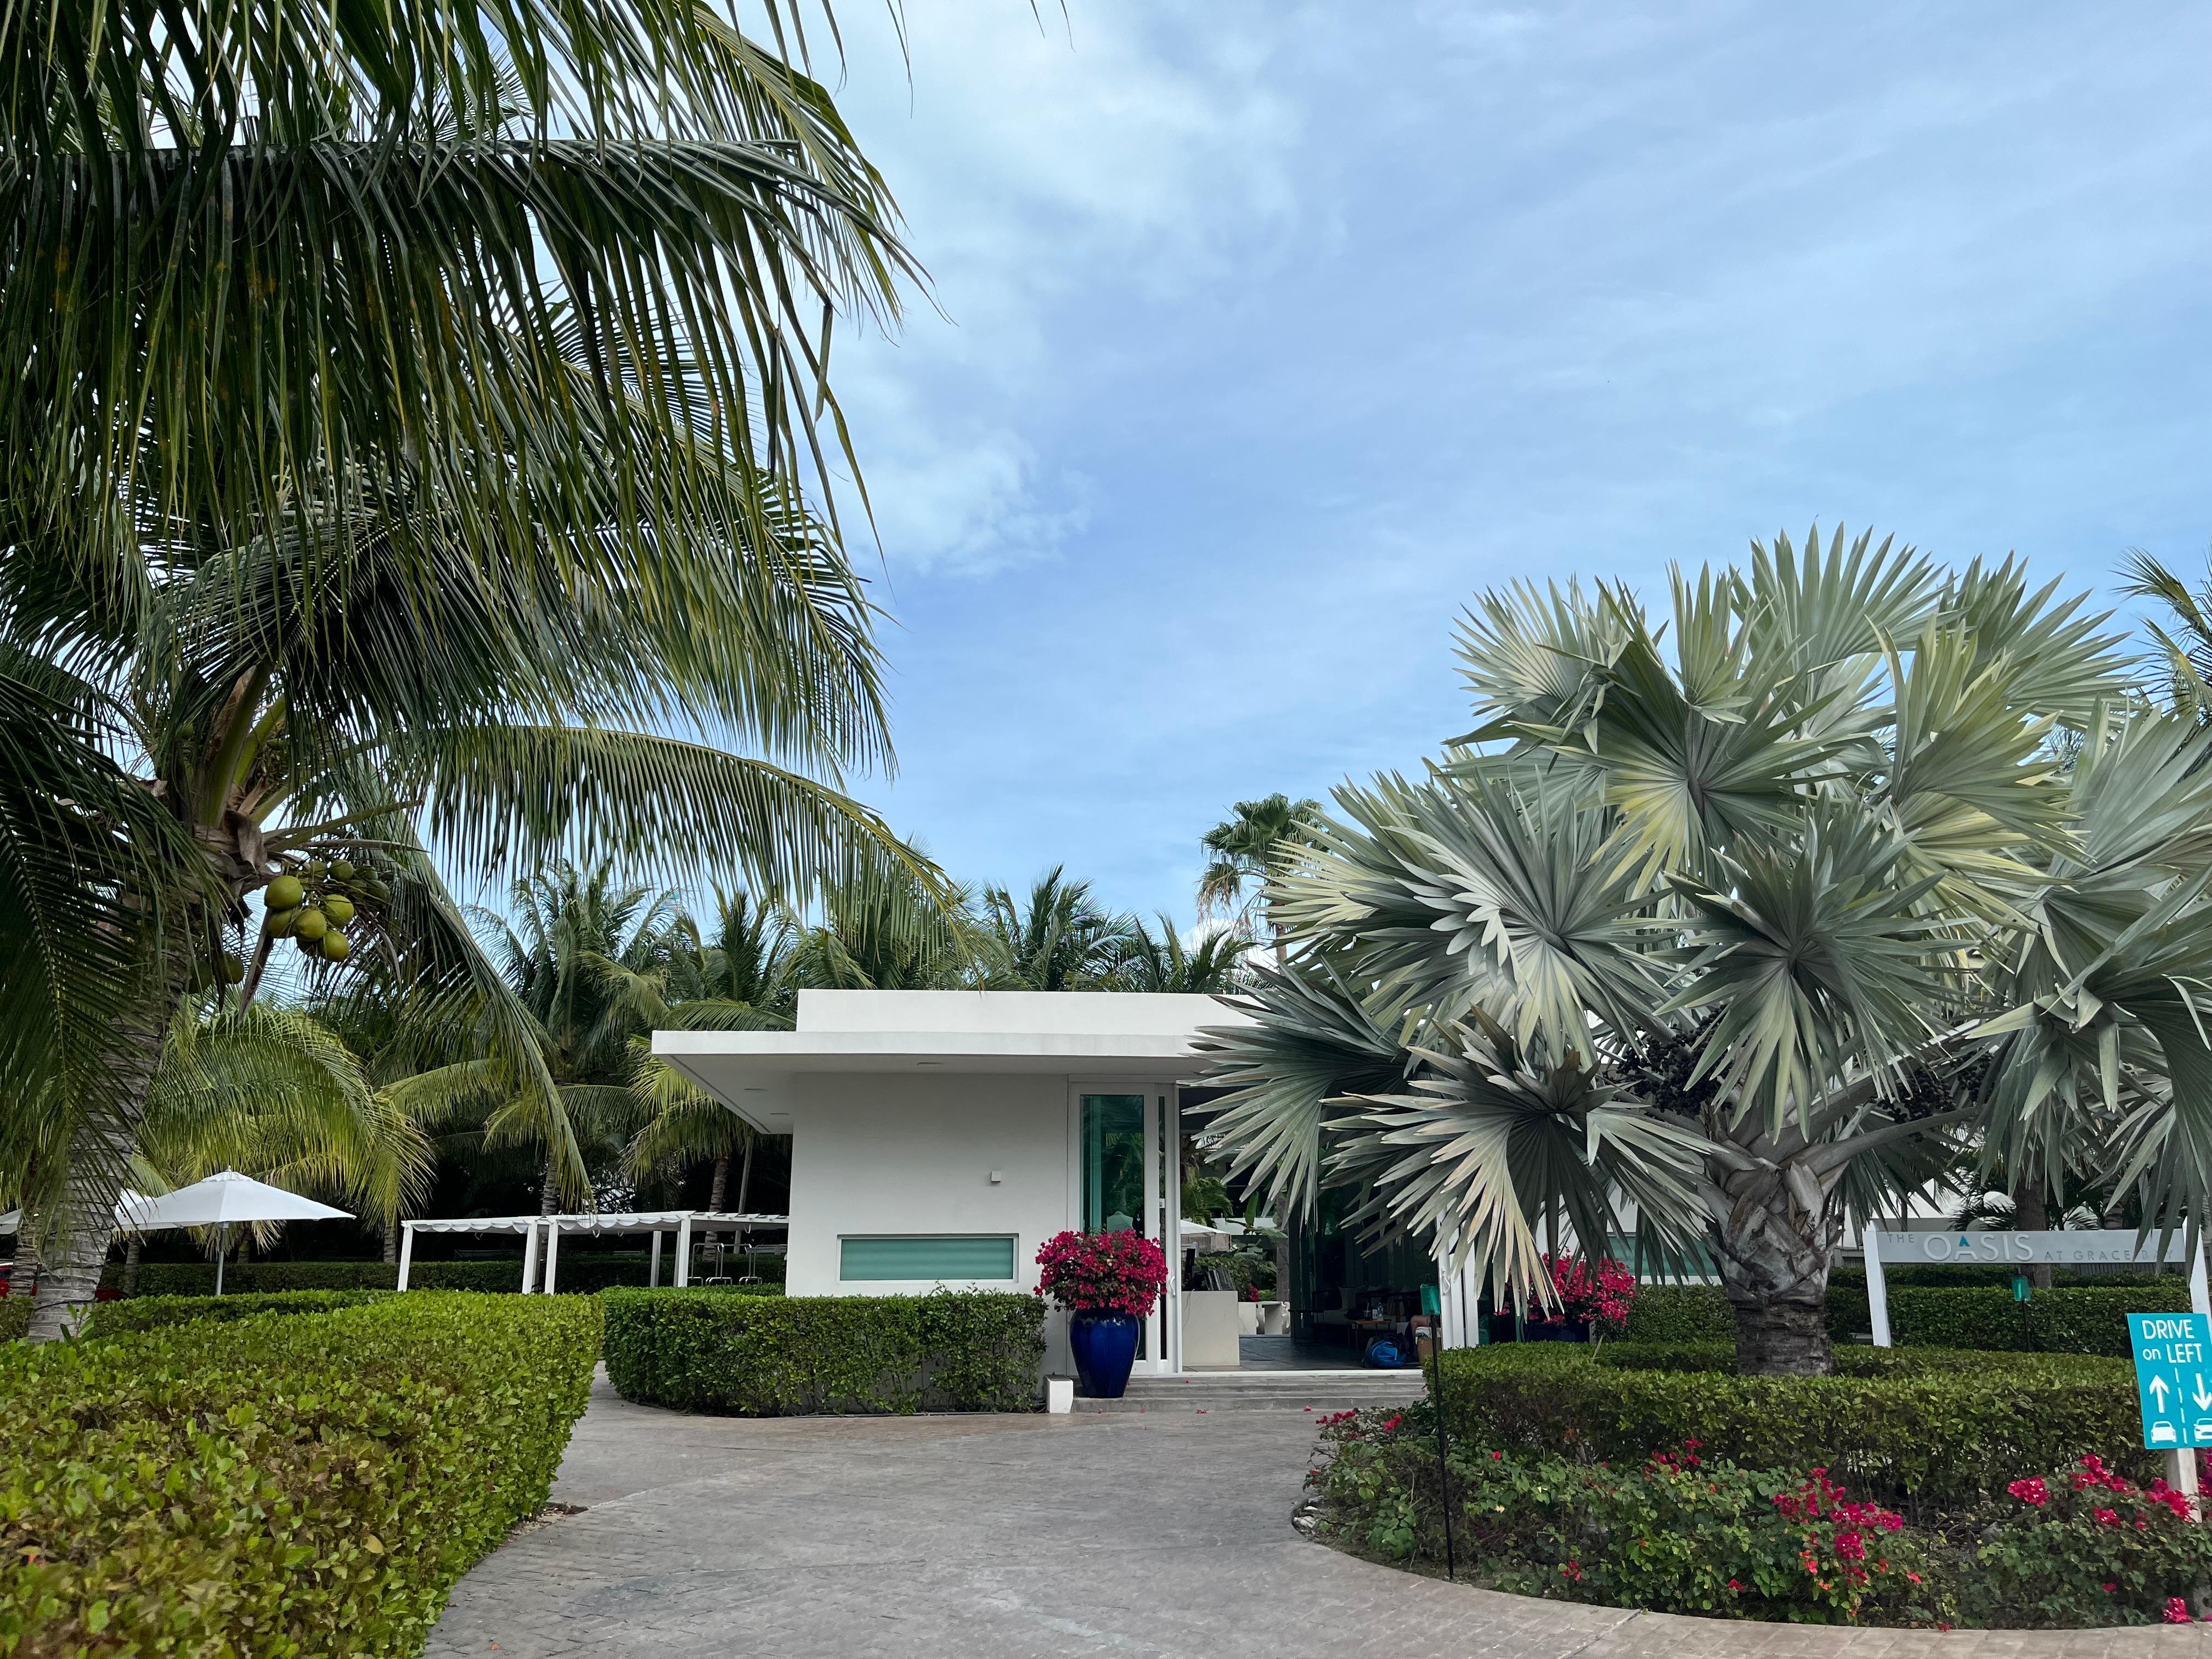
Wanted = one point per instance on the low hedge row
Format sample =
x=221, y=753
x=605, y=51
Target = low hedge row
x=2081, y=1319
x=580, y=1271
x=764, y=1356
x=279, y=1486
x=1925, y=1424
x=154, y=1313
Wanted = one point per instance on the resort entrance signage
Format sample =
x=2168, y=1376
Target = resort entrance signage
x=2173, y=1378
x=2109, y=1247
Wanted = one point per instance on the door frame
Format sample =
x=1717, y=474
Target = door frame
x=1162, y=1221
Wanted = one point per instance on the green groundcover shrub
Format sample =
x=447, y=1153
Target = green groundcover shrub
x=1901, y=1425
x=1687, y=1532
x=14, y=1317
x=711, y=1351
x=278, y=1486
x=2078, y=1318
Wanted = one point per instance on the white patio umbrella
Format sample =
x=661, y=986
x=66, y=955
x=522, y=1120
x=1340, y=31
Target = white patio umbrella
x=13, y=1220
x=222, y=1201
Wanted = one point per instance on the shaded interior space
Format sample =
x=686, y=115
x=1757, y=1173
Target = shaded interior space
x=1287, y=1353
x=1354, y=1302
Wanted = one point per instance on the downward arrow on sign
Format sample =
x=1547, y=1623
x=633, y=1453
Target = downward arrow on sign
x=2158, y=1386
x=2203, y=1396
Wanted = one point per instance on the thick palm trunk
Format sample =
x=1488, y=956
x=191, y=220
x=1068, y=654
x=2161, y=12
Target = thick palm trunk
x=1774, y=1265
x=2032, y=1214
x=130, y=1266
x=73, y=1234
x=721, y=1188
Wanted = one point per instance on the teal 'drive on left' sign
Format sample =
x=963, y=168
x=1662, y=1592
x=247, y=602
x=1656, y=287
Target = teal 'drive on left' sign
x=2173, y=1378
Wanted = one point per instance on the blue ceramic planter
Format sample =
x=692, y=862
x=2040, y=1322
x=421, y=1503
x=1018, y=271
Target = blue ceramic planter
x=1105, y=1346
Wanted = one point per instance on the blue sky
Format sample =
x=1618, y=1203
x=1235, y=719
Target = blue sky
x=1269, y=334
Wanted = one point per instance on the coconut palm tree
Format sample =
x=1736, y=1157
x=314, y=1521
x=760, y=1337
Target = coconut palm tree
x=469, y=483
x=1214, y=966
x=1250, y=847
x=1883, y=866
x=1061, y=941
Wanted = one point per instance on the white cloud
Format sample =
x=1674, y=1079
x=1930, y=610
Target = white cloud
x=1027, y=164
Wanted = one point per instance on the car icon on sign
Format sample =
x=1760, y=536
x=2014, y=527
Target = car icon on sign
x=2204, y=1433
x=2162, y=1434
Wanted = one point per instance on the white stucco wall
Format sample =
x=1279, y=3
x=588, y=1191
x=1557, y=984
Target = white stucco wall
x=891, y=1154
x=875, y=1154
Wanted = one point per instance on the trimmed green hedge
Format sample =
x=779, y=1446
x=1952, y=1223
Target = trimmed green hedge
x=765, y=1355
x=2081, y=1319
x=1925, y=1424
x=1680, y=1313
x=14, y=1317
x=279, y=1486
x=2070, y=1319
x=154, y=1313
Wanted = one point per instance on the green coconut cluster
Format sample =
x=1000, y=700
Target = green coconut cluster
x=318, y=901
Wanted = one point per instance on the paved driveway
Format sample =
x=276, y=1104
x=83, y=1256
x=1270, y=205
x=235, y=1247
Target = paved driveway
x=1162, y=1534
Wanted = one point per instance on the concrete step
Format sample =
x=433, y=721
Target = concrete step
x=1296, y=1391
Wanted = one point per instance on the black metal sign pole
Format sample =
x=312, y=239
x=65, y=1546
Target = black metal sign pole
x=1436, y=1398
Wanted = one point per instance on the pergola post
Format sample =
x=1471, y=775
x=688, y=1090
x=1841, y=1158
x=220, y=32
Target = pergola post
x=529, y=1257
x=653, y=1281
x=406, y=1251
x=552, y=1249
x=684, y=1252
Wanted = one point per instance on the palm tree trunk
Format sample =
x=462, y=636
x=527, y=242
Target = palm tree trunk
x=746, y=1174
x=2032, y=1214
x=130, y=1266
x=716, y=1193
x=1774, y=1267
x=73, y=1234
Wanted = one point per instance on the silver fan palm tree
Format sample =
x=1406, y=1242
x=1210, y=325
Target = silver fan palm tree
x=1877, y=868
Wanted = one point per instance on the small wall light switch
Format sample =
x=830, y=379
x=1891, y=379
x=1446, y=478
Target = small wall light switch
x=997, y=1176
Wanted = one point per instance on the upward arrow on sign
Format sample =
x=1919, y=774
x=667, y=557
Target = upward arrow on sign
x=2158, y=1386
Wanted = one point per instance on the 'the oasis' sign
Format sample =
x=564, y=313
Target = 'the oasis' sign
x=2112, y=1247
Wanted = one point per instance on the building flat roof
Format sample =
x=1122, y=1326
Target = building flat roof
x=1064, y=1033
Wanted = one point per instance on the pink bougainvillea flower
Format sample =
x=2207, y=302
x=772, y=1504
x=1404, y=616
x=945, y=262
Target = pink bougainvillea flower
x=2108, y=1517
x=2030, y=1491
x=2177, y=1612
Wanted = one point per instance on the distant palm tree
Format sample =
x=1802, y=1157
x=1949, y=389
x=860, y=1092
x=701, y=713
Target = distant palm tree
x=2189, y=644
x=1251, y=847
x=1214, y=966
x=588, y=957
x=1062, y=940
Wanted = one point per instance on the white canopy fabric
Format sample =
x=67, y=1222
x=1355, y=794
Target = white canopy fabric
x=226, y=1200
x=13, y=1220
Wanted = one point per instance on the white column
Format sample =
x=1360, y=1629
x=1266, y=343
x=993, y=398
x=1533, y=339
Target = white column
x=684, y=1252
x=1877, y=1285
x=552, y=1251
x=406, y=1251
x=652, y=1280
x=529, y=1257
x=1172, y=1230
x=2200, y=1294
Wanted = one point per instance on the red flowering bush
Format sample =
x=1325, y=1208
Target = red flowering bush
x=1121, y=1272
x=1598, y=1293
x=1688, y=1533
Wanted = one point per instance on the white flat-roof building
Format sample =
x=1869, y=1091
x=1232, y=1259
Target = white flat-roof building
x=940, y=1137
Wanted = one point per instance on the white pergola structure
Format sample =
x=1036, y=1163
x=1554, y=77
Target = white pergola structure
x=682, y=1223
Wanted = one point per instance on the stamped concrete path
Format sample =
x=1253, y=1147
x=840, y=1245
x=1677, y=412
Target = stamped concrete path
x=1161, y=1533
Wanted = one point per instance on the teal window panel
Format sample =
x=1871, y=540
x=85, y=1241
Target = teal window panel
x=927, y=1255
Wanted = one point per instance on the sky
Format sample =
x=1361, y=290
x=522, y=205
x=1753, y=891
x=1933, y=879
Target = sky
x=1260, y=338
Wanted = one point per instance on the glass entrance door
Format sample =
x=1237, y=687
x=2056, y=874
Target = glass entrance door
x=1123, y=1180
